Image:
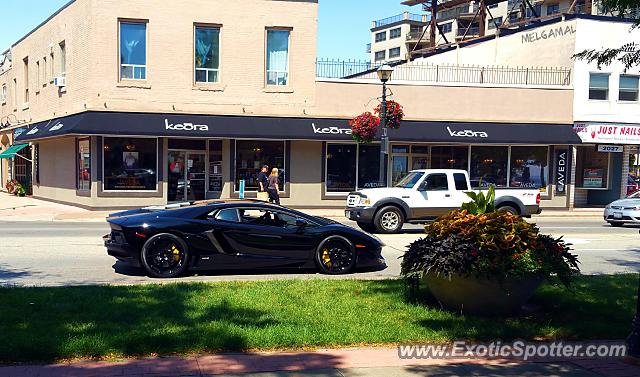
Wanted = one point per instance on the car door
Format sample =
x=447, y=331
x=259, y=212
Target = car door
x=265, y=237
x=435, y=195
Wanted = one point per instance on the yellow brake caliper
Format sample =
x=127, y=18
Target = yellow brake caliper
x=176, y=253
x=326, y=258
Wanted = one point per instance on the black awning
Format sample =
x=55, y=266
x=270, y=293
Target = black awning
x=253, y=127
x=486, y=133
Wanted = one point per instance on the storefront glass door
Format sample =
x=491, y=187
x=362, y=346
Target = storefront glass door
x=186, y=176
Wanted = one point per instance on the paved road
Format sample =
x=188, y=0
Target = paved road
x=62, y=253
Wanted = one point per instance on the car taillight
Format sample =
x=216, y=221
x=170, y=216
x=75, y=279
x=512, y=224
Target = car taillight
x=538, y=198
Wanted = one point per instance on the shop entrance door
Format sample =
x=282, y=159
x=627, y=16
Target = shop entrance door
x=186, y=176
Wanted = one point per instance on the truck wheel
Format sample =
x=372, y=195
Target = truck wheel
x=388, y=220
x=367, y=227
x=509, y=209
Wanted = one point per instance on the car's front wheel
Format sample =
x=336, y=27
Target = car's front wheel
x=164, y=256
x=615, y=223
x=389, y=220
x=335, y=255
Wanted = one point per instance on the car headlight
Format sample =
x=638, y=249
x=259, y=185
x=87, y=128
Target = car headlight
x=365, y=201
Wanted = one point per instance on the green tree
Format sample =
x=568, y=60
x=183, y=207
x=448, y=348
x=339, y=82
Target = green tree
x=628, y=53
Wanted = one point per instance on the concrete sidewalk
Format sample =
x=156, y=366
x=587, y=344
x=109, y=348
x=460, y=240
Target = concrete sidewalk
x=374, y=362
x=14, y=208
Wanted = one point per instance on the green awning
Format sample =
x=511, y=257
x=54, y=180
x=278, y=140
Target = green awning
x=13, y=150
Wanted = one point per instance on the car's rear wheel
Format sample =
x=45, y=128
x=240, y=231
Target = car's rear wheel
x=388, y=220
x=367, y=227
x=164, y=256
x=336, y=255
x=509, y=209
x=616, y=223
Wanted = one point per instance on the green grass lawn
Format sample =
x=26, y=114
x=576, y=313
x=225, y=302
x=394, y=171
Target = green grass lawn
x=45, y=324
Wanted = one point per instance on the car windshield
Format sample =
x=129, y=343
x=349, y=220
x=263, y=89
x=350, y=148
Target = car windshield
x=410, y=180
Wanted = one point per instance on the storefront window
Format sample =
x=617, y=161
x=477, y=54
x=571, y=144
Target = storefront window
x=215, y=165
x=399, y=162
x=450, y=157
x=84, y=165
x=130, y=163
x=341, y=167
x=489, y=166
x=368, y=166
x=251, y=155
x=351, y=166
x=592, y=170
x=529, y=167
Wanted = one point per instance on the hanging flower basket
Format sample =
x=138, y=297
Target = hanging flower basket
x=364, y=127
x=394, y=114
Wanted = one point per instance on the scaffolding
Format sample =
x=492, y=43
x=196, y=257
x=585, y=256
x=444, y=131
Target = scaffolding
x=474, y=24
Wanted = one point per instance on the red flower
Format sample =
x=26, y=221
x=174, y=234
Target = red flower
x=394, y=114
x=364, y=127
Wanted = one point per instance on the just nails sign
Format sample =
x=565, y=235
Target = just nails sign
x=608, y=133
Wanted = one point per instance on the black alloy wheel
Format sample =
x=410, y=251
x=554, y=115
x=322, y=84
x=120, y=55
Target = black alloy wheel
x=336, y=255
x=164, y=256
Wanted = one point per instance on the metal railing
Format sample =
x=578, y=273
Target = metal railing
x=389, y=20
x=354, y=69
x=415, y=17
x=415, y=35
x=398, y=18
x=473, y=31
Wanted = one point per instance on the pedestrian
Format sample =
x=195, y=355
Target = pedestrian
x=263, y=184
x=274, y=187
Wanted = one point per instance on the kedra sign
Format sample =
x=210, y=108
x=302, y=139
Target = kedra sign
x=185, y=126
x=331, y=130
x=467, y=133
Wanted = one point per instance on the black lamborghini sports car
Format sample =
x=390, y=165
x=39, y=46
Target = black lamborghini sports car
x=236, y=234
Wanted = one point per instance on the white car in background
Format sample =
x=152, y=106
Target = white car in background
x=623, y=211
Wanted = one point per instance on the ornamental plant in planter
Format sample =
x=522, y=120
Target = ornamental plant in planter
x=364, y=127
x=481, y=261
x=394, y=114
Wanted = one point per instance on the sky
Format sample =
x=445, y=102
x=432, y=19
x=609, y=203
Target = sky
x=343, y=25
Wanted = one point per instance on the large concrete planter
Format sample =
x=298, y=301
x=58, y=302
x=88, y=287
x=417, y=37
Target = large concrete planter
x=471, y=295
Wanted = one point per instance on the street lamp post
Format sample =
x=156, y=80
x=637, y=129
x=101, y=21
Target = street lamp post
x=384, y=74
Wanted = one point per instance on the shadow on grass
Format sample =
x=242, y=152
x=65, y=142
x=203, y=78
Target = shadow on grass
x=101, y=321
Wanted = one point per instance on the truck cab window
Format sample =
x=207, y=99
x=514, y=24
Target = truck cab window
x=436, y=182
x=461, y=182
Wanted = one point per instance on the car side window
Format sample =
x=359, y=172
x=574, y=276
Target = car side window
x=460, y=181
x=267, y=217
x=228, y=214
x=435, y=182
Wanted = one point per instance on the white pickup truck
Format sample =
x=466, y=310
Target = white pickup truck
x=423, y=195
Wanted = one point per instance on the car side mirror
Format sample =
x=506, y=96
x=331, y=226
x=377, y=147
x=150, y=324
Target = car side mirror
x=423, y=186
x=301, y=223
